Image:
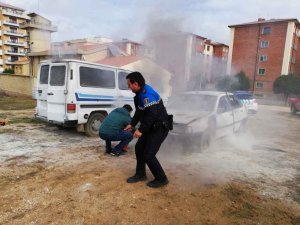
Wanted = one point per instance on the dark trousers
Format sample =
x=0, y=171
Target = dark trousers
x=123, y=136
x=145, y=150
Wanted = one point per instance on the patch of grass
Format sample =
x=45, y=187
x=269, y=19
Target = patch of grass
x=25, y=120
x=242, y=206
x=16, y=103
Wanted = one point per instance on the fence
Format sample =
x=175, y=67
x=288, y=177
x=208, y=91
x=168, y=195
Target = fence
x=17, y=84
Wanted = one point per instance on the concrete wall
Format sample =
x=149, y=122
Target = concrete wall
x=17, y=84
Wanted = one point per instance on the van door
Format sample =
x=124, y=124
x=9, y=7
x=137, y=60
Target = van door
x=41, y=92
x=125, y=95
x=56, y=94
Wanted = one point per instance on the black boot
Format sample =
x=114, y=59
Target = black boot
x=158, y=183
x=136, y=178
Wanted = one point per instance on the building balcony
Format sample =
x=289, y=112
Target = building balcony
x=41, y=26
x=9, y=61
x=1, y=53
x=12, y=52
x=1, y=61
x=11, y=23
x=15, y=43
x=15, y=13
x=13, y=33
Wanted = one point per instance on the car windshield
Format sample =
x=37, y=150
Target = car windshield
x=244, y=96
x=193, y=102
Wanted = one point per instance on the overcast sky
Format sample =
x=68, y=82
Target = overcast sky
x=131, y=19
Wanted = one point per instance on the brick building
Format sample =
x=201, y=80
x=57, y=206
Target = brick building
x=264, y=50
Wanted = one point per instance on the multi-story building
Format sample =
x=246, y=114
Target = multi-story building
x=13, y=38
x=265, y=50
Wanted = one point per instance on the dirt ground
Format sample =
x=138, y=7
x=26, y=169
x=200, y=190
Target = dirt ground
x=53, y=176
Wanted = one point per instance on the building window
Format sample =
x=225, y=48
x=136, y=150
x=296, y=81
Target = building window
x=207, y=47
x=264, y=44
x=294, y=46
x=263, y=58
x=259, y=84
x=261, y=71
x=266, y=30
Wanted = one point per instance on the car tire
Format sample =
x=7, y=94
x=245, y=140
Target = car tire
x=92, y=126
x=293, y=109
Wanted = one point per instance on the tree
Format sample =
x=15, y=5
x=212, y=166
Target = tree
x=244, y=82
x=233, y=83
x=287, y=84
x=10, y=71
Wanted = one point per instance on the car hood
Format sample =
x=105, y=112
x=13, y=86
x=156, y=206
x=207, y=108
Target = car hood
x=183, y=117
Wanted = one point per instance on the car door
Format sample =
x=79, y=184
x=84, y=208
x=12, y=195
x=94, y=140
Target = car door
x=239, y=111
x=41, y=92
x=125, y=95
x=56, y=94
x=224, y=117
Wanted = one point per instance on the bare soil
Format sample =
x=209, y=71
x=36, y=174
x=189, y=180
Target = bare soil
x=53, y=176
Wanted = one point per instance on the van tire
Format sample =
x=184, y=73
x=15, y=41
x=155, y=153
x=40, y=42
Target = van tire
x=92, y=126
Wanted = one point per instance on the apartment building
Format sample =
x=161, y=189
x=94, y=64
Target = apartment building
x=13, y=39
x=265, y=50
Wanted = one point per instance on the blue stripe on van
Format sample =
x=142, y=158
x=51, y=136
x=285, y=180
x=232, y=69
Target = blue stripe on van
x=89, y=97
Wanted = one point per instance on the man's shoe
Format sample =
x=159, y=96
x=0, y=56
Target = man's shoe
x=158, y=183
x=116, y=154
x=136, y=178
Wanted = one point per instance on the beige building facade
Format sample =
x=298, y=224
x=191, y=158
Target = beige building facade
x=13, y=38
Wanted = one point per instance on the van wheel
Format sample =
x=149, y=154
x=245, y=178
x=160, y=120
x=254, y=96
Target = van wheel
x=293, y=109
x=92, y=126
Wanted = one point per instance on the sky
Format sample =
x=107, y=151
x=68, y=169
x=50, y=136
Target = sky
x=131, y=19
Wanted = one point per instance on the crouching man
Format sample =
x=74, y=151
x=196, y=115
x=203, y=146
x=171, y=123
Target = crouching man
x=112, y=129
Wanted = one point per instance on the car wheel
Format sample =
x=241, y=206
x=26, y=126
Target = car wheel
x=92, y=126
x=293, y=109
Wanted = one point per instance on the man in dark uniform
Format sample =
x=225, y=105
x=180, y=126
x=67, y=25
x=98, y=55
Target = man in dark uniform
x=153, y=129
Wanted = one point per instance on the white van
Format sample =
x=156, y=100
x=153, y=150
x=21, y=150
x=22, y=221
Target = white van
x=79, y=94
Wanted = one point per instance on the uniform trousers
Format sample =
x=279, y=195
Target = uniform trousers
x=146, y=149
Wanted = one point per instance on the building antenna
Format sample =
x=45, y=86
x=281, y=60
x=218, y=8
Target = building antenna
x=38, y=4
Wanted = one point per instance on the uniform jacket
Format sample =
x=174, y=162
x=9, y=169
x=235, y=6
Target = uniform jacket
x=149, y=109
x=117, y=120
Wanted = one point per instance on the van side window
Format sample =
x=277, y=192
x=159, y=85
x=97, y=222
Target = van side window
x=122, y=80
x=57, y=75
x=223, y=105
x=92, y=77
x=44, y=74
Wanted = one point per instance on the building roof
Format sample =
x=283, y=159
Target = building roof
x=4, y=5
x=219, y=44
x=33, y=14
x=263, y=21
x=119, y=61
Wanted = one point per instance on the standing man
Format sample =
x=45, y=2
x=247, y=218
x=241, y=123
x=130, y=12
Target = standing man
x=153, y=129
x=112, y=129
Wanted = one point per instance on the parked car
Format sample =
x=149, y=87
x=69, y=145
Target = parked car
x=294, y=102
x=247, y=99
x=204, y=115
